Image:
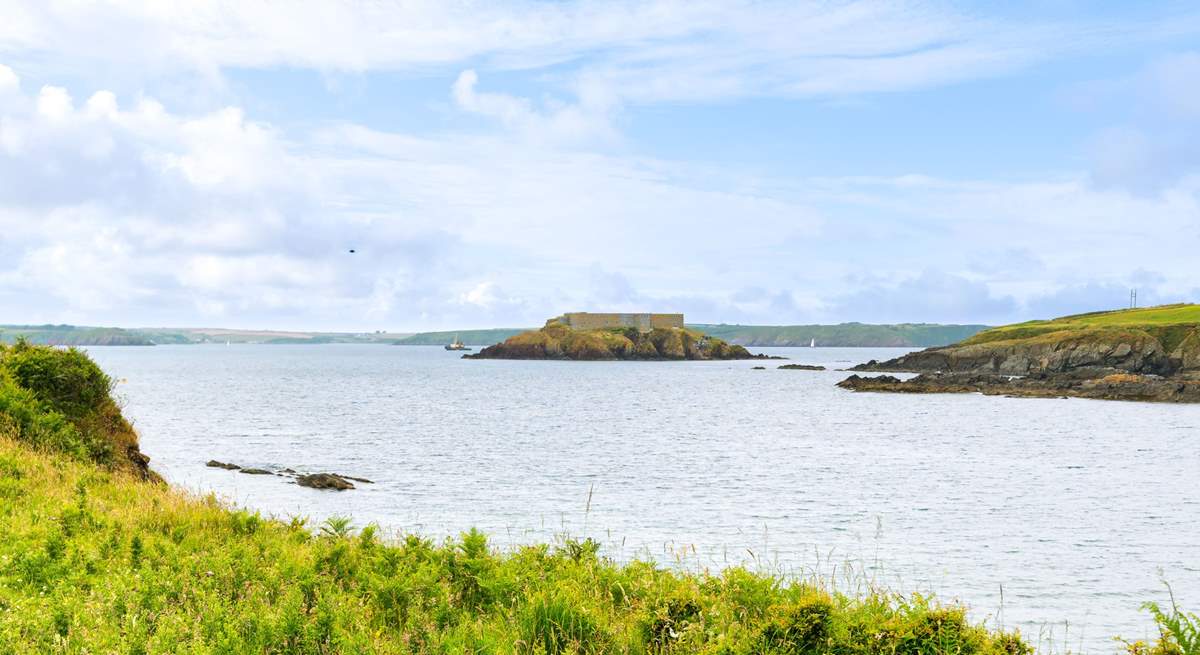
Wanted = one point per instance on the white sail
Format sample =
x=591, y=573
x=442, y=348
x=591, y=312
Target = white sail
x=813, y=343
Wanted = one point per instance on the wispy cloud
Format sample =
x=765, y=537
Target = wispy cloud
x=666, y=50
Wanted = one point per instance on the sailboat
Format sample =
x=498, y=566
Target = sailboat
x=813, y=343
x=456, y=345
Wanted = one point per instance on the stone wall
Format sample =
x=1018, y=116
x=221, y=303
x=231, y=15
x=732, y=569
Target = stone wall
x=643, y=321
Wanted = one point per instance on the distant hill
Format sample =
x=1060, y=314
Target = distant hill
x=75, y=335
x=71, y=335
x=485, y=337
x=223, y=335
x=911, y=335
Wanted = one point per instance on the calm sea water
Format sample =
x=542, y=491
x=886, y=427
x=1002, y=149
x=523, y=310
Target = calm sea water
x=1074, y=510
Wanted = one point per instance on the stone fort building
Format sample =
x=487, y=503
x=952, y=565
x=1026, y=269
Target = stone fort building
x=643, y=322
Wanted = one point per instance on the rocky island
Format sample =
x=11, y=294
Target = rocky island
x=1148, y=353
x=584, y=336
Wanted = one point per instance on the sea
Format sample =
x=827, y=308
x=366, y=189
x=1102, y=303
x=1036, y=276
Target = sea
x=1058, y=517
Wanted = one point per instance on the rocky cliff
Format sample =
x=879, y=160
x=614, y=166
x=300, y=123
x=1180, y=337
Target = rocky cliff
x=1151, y=353
x=1129, y=350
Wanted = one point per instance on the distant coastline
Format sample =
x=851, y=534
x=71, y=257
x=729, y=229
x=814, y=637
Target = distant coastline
x=902, y=335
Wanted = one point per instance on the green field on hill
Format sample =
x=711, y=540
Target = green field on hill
x=1160, y=320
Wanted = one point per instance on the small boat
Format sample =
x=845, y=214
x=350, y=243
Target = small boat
x=812, y=344
x=456, y=345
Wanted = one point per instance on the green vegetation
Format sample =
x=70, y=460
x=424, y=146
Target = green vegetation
x=96, y=559
x=59, y=400
x=913, y=335
x=1170, y=323
x=96, y=562
x=469, y=337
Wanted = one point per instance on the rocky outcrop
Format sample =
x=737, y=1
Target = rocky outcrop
x=335, y=481
x=801, y=367
x=212, y=463
x=1137, y=354
x=324, y=481
x=558, y=341
x=1100, y=351
x=1114, y=386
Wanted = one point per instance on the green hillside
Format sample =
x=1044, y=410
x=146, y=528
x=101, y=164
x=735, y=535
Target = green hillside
x=71, y=335
x=1162, y=320
x=912, y=335
x=485, y=337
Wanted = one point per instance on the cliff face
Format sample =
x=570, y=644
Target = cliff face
x=1139, y=354
x=557, y=341
x=1128, y=350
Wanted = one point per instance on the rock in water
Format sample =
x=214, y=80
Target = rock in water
x=801, y=367
x=256, y=472
x=324, y=481
x=212, y=463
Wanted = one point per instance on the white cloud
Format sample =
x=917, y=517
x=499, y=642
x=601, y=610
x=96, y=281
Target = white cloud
x=558, y=122
x=9, y=82
x=137, y=214
x=638, y=51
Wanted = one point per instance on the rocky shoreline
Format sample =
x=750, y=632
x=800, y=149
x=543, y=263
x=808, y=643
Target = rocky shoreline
x=1114, y=386
x=1151, y=362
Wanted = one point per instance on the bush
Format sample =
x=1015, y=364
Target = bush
x=59, y=400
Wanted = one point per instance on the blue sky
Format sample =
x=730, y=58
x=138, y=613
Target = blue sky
x=500, y=163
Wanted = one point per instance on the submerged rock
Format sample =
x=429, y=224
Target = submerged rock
x=324, y=481
x=253, y=471
x=758, y=368
x=801, y=367
x=212, y=463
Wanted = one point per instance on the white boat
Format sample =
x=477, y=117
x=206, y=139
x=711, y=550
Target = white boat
x=812, y=344
x=456, y=345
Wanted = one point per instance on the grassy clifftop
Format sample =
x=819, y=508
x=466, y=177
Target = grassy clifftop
x=60, y=401
x=1171, y=323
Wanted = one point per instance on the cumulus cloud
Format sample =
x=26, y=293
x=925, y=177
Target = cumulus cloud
x=117, y=209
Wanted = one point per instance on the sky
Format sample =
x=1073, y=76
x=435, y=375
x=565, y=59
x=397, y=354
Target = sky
x=499, y=163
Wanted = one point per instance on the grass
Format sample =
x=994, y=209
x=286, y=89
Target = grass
x=97, y=560
x=1169, y=323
